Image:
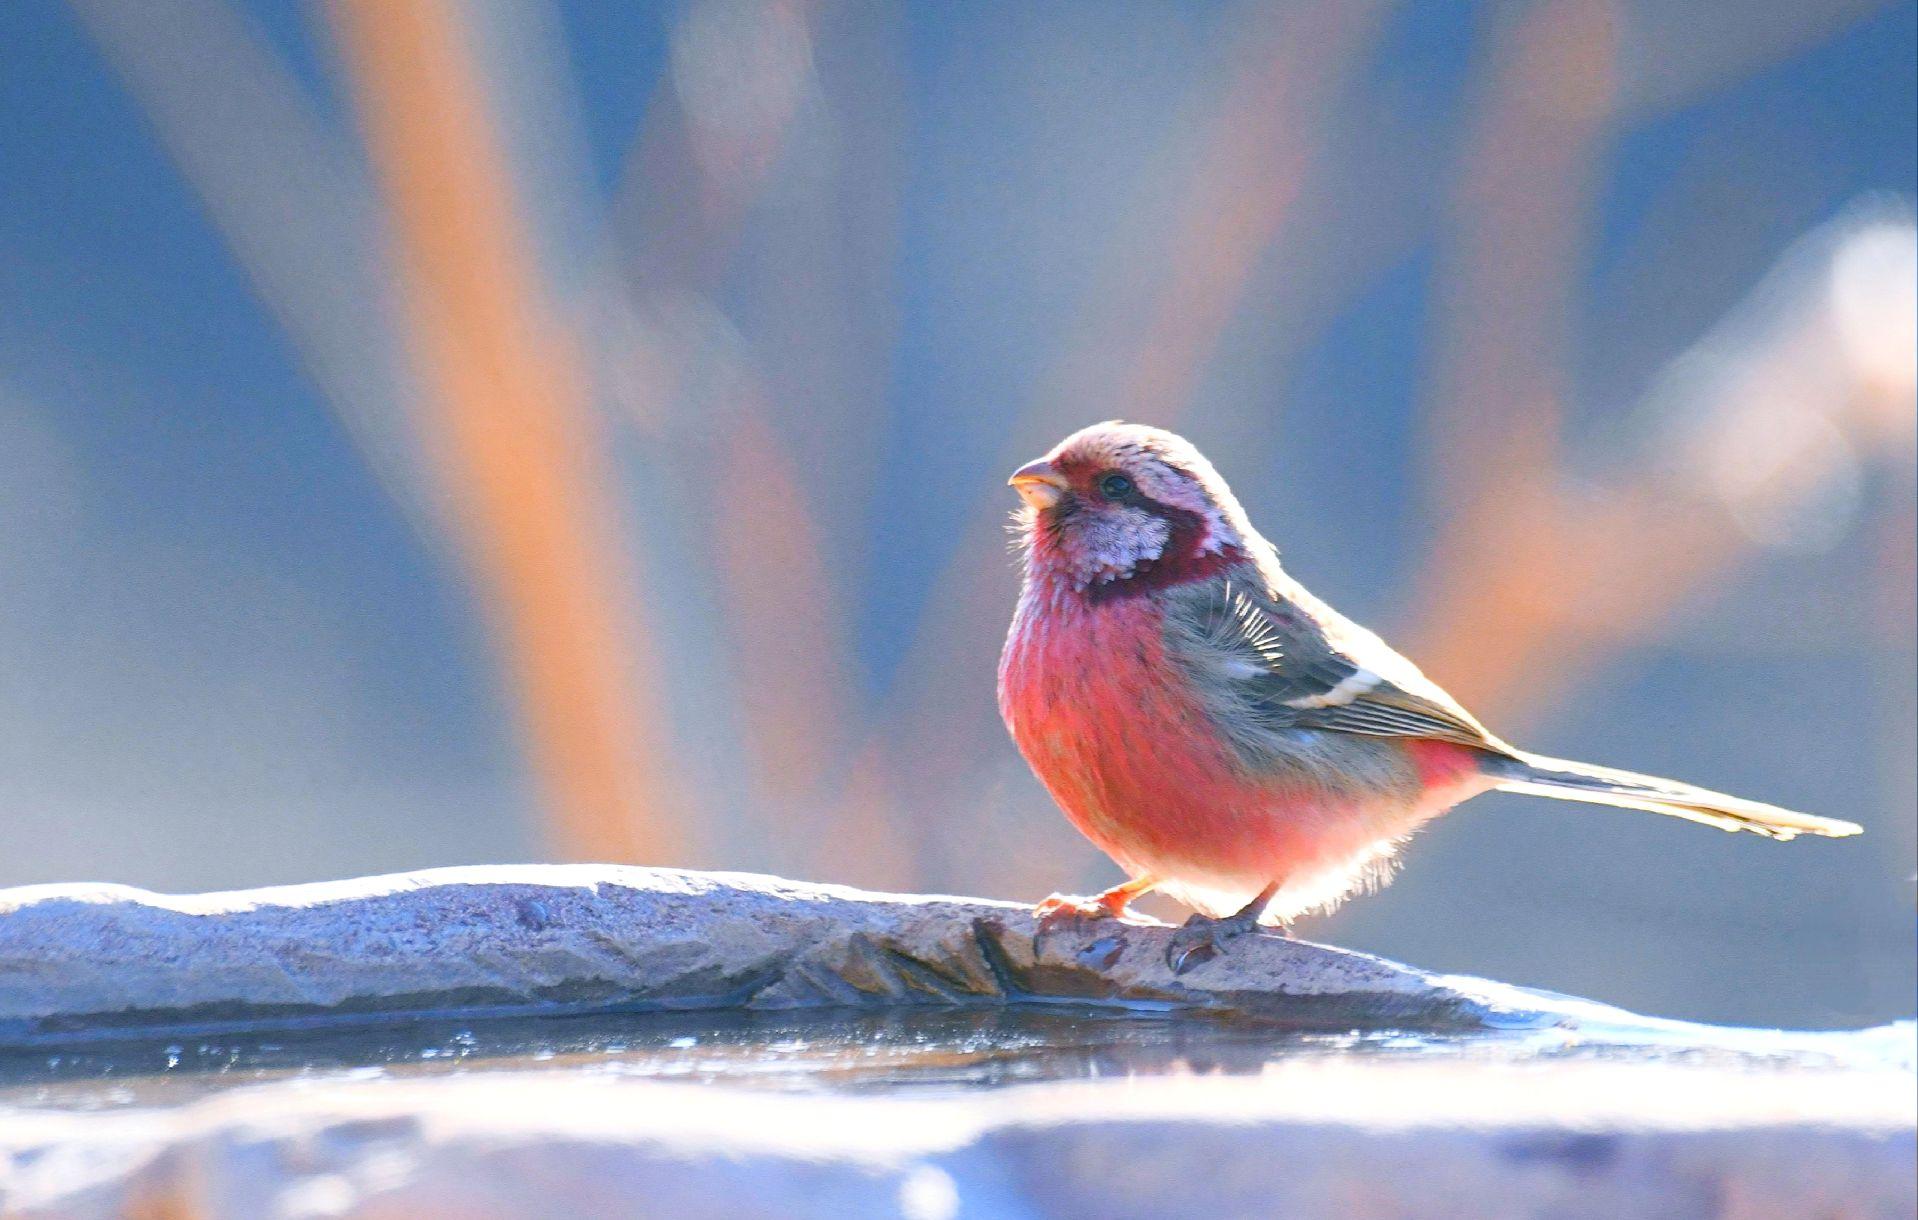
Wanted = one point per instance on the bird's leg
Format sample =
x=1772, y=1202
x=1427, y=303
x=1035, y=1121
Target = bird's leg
x=1199, y=939
x=1110, y=904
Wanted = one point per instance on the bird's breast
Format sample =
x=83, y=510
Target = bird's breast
x=1124, y=740
x=1112, y=728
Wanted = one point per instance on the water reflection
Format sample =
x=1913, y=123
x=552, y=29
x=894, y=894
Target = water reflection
x=924, y=1051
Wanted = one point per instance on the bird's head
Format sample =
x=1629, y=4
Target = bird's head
x=1119, y=509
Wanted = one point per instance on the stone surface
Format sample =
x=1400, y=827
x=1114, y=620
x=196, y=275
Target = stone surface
x=1345, y=1139
x=1600, y=1114
x=97, y=960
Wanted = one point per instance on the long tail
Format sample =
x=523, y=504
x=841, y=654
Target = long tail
x=1574, y=781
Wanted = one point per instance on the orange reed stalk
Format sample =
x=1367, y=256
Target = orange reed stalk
x=514, y=432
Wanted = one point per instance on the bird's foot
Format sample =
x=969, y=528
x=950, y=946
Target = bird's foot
x=1199, y=939
x=1072, y=908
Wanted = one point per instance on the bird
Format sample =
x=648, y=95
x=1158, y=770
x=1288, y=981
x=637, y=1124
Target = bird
x=1224, y=736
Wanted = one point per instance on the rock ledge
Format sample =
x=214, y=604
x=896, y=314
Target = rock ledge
x=81, y=961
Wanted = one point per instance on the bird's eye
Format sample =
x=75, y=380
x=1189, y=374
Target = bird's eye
x=1115, y=486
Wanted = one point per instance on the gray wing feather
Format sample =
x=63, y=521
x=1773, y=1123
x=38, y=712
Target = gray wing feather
x=1272, y=660
x=1294, y=662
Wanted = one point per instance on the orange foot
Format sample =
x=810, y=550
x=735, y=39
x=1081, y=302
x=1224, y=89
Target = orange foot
x=1112, y=904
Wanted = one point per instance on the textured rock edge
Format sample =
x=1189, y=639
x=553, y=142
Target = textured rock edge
x=96, y=961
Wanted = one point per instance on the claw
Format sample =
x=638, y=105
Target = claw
x=1063, y=909
x=1114, y=903
x=1199, y=940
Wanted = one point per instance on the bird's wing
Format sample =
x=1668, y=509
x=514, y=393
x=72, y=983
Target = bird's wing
x=1270, y=647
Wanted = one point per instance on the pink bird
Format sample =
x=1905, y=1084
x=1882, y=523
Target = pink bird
x=1225, y=736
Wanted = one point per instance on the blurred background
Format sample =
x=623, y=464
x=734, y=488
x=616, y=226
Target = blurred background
x=438, y=433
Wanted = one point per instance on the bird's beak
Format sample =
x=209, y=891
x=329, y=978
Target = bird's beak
x=1038, y=483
